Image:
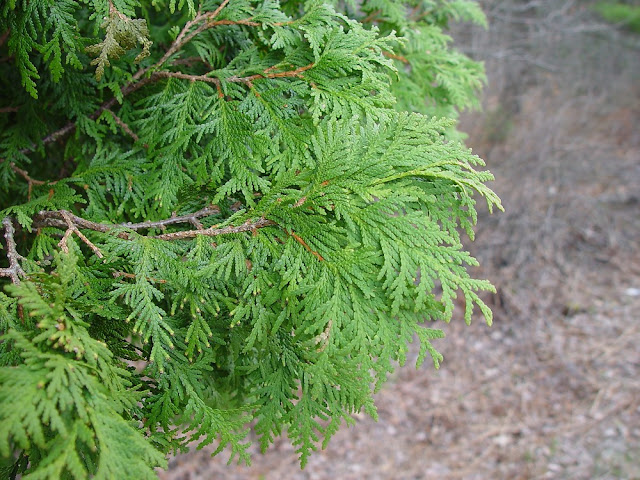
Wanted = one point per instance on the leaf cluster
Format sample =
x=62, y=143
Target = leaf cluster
x=223, y=214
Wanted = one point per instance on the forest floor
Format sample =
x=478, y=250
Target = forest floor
x=552, y=389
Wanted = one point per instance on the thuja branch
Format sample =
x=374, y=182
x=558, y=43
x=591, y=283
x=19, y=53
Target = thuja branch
x=268, y=73
x=203, y=21
x=137, y=81
x=146, y=279
x=59, y=219
x=248, y=226
x=71, y=229
x=72, y=222
x=136, y=85
x=14, y=272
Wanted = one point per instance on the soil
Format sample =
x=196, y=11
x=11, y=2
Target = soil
x=552, y=389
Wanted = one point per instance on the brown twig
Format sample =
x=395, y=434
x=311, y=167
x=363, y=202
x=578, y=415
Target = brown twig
x=133, y=276
x=305, y=245
x=52, y=137
x=123, y=125
x=30, y=181
x=268, y=74
x=217, y=11
x=14, y=272
x=395, y=57
x=248, y=226
x=71, y=229
x=73, y=223
x=208, y=22
x=234, y=78
x=57, y=219
x=186, y=76
x=9, y=109
x=183, y=37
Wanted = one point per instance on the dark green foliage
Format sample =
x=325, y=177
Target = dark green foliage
x=219, y=213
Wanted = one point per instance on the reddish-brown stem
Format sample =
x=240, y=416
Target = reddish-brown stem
x=305, y=245
x=395, y=57
x=217, y=11
x=186, y=76
x=245, y=21
x=268, y=74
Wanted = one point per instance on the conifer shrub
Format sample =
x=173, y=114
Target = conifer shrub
x=220, y=216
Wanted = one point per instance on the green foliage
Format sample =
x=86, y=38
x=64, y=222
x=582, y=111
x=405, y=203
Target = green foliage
x=620, y=13
x=244, y=213
x=122, y=34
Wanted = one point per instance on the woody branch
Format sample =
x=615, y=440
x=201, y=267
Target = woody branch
x=72, y=223
x=14, y=272
x=60, y=219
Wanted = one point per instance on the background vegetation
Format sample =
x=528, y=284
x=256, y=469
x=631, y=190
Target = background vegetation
x=623, y=14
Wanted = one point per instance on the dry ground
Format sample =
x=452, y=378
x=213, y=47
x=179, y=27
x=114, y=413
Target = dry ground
x=552, y=390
